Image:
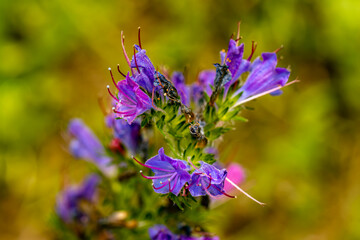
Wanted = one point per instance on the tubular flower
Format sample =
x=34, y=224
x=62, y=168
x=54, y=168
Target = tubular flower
x=207, y=180
x=146, y=70
x=68, y=205
x=170, y=174
x=183, y=90
x=86, y=145
x=132, y=101
x=263, y=77
x=233, y=58
x=205, y=80
x=128, y=134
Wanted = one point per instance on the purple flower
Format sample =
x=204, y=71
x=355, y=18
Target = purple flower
x=179, y=82
x=132, y=101
x=204, y=83
x=234, y=60
x=170, y=174
x=68, y=202
x=207, y=180
x=128, y=134
x=142, y=62
x=161, y=232
x=263, y=77
x=86, y=145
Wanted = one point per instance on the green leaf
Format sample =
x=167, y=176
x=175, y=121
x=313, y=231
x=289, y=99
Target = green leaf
x=217, y=132
x=161, y=122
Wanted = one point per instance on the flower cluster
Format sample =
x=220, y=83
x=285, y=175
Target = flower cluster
x=191, y=118
x=171, y=175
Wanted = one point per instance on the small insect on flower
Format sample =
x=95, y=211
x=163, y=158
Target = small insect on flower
x=223, y=76
x=168, y=87
x=196, y=132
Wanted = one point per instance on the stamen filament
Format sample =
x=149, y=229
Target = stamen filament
x=162, y=186
x=124, y=51
x=238, y=34
x=277, y=50
x=207, y=191
x=139, y=39
x=151, y=167
x=243, y=192
x=253, y=48
x=108, y=88
x=113, y=80
x=137, y=67
x=118, y=68
x=175, y=182
x=261, y=94
x=155, y=177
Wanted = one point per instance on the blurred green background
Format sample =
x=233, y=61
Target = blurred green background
x=300, y=150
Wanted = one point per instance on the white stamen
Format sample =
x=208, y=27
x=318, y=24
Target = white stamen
x=262, y=94
x=140, y=171
x=107, y=86
x=113, y=108
x=109, y=68
x=243, y=192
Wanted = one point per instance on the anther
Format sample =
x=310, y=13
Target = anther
x=277, y=50
x=139, y=39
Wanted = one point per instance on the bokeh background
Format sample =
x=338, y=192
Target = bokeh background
x=300, y=150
